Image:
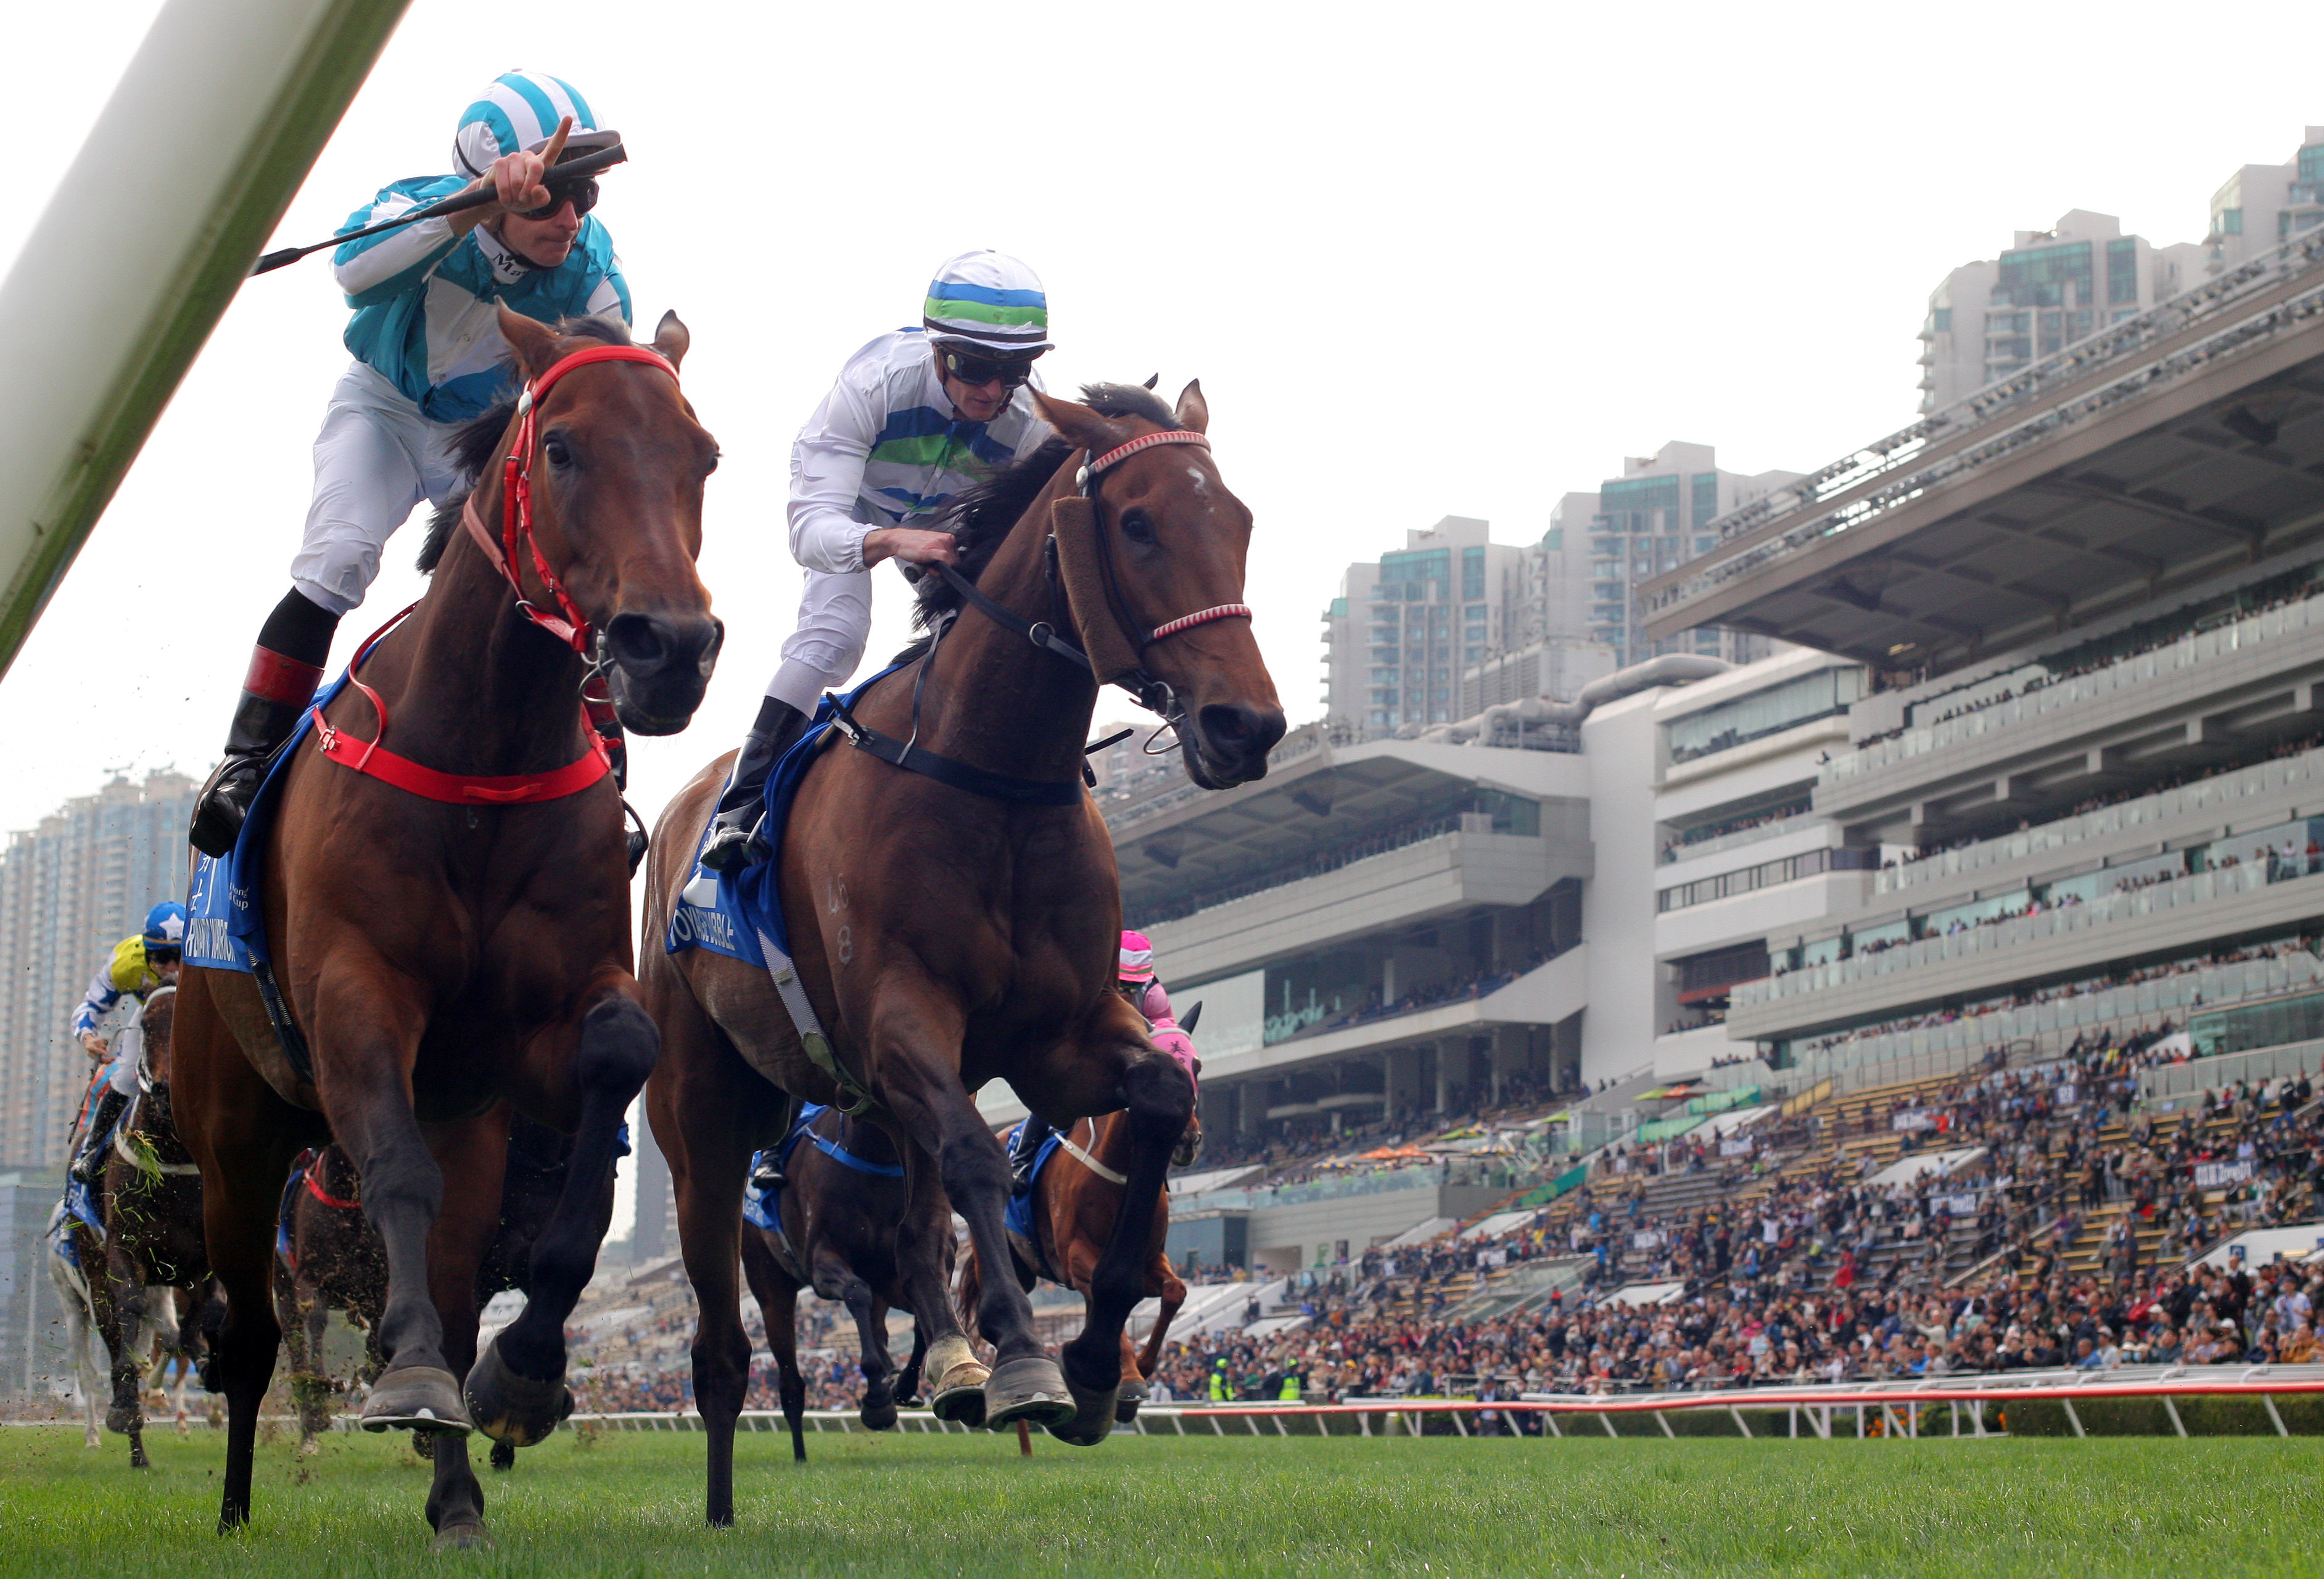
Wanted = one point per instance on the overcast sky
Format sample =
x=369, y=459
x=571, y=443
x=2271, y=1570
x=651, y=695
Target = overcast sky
x=1457, y=259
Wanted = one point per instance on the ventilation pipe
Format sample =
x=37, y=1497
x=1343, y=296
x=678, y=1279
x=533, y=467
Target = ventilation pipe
x=1672, y=669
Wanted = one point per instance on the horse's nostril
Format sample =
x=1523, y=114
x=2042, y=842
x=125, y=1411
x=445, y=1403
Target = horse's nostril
x=639, y=641
x=1240, y=734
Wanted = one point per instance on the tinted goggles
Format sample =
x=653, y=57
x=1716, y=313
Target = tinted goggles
x=582, y=194
x=970, y=368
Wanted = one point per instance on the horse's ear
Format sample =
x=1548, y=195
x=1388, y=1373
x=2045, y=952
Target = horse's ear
x=1082, y=426
x=1193, y=410
x=534, y=343
x=671, y=339
x=1152, y=379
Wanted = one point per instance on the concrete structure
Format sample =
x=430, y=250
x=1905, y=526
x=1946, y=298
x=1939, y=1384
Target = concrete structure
x=1652, y=517
x=70, y=890
x=34, y=1362
x=1403, y=629
x=2262, y=206
x=2086, y=761
x=1993, y=319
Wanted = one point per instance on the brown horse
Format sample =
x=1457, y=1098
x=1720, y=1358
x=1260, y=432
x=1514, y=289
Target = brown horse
x=840, y=1206
x=149, y=1195
x=328, y=1257
x=947, y=936
x=453, y=950
x=1076, y=1201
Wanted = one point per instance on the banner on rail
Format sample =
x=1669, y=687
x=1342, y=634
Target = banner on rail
x=2212, y=1176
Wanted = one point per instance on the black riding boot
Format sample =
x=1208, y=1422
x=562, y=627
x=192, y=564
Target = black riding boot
x=1023, y=1148
x=284, y=671
x=90, y=1162
x=734, y=842
x=769, y=1175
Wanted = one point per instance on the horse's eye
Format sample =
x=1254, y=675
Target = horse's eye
x=559, y=453
x=1138, y=526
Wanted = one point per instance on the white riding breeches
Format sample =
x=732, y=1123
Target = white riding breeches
x=374, y=459
x=834, y=623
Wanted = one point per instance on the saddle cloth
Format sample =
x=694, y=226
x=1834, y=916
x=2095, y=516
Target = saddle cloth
x=738, y=913
x=225, y=925
x=1019, y=1213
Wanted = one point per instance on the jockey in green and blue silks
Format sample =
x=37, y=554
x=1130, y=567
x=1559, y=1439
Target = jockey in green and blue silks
x=916, y=417
x=428, y=357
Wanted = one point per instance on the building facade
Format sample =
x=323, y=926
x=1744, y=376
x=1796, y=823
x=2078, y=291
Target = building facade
x=70, y=890
x=1403, y=628
x=2262, y=206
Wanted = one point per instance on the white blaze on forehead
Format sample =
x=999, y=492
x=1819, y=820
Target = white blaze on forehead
x=1201, y=483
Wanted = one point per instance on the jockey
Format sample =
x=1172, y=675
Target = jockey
x=138, y=964
x=1136, y=981
x=916, y=416
x=429, y=358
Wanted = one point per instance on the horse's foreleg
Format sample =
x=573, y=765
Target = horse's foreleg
x=1173, y=1294
x=125, y=1325
x=778, y=1305
x=476, y=1151
x=517, y=1389
x=1160, y=1099
x=835, y=1279
x=945, y=1367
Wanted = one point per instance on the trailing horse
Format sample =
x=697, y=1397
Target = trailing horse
x=328, y=1257
x=837, y=1215
x=958, y=923
x=448, y=913
x=1075, y=1202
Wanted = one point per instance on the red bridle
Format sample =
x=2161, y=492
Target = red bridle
x=1087, y=481
x=516, y=500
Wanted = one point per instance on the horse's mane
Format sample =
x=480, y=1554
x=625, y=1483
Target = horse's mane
x=473, y=445
x=981, y=517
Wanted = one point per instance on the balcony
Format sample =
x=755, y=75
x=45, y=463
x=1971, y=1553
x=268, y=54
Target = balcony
x=2185, y=917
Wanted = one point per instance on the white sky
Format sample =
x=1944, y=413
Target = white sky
x=1453, y=261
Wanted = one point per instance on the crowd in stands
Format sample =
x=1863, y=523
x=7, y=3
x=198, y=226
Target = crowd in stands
x=1674, y=846
x=1428, y=996
x=2153, y=636
x=1929, y=1021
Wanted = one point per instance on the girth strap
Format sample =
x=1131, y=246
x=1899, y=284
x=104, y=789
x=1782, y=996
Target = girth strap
x=853, y=1098
x=1065, y=1142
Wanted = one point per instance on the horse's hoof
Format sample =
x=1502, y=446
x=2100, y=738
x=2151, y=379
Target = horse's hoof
x=417, y=1397
x=1031, y=1389
x=878, y=1416
x=121, y=1419
x=961, y=1402
x=1127, y=1401
x=512, y=1408
x=1088, y=1428
x=467, y=1536
x=503, y=1456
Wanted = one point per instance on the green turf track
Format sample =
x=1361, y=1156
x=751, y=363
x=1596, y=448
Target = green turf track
x=632, y=1505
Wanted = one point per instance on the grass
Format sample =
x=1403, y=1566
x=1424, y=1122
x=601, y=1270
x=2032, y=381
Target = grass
x=629, y=1504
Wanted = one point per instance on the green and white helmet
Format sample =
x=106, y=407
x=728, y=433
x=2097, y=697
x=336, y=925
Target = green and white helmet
x=990, y=302
x=520, y=112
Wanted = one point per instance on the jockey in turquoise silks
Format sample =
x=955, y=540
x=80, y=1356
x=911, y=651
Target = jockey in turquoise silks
x=429, y=358
x=136, y=966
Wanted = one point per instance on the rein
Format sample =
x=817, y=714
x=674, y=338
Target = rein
x=569, y=626
x=1151, y=692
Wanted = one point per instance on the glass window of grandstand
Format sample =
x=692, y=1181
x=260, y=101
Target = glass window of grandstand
x=1873, y=939
x=1955, y=919
x=2290, y=849
x=2259, y=1025
x=1821, y=694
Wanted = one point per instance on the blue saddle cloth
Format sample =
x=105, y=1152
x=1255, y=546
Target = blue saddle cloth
x=763, y=1207
x=1019, y=1213
x=729, y=912
x=225, y=925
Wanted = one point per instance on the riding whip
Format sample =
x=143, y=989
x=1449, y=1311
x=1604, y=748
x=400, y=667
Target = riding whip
x=557, y=177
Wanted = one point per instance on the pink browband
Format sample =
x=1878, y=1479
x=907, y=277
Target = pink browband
x=1115, y=456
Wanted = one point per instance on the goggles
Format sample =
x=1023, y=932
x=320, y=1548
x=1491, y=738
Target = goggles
x=973, y=369
x=582, y=194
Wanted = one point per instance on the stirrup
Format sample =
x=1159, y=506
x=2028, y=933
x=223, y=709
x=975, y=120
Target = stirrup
x=733, y=846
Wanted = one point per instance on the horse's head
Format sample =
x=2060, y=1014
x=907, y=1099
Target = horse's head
x=614, y=462
x=1152, y=557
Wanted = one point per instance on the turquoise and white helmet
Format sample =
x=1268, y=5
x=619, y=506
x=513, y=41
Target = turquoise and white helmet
x=520, y=111
x=991, y=301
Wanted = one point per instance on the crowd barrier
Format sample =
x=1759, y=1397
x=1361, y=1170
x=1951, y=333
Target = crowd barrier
x=1885, y=1409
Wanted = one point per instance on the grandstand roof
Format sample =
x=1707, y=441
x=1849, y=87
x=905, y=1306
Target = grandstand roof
x=2154, y=455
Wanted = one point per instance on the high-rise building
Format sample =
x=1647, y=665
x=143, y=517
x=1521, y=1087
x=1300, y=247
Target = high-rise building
x=1996, y=316
x=1402, y=630
x=2263, y=206
x=1651, y=519
x=70, y=890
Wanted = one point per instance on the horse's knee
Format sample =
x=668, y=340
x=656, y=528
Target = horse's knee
x=1160, y=1097
x=619, y=1044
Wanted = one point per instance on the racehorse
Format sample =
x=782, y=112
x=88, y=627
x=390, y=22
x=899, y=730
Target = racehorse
x=148, y=1196
x=844, y=1195
x=947, y=936
x=328, y=1257
x=1076, y=1201
x=447, y=915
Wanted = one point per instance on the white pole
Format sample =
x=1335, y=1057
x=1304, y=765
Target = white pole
x=185, y=176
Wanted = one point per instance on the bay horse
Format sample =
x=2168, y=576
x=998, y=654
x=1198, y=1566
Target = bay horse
x=448, y=914
x=840, y=1215
x=150, y=1198
x=1076, y=1202
x=947, y=936
x=328, y=1257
